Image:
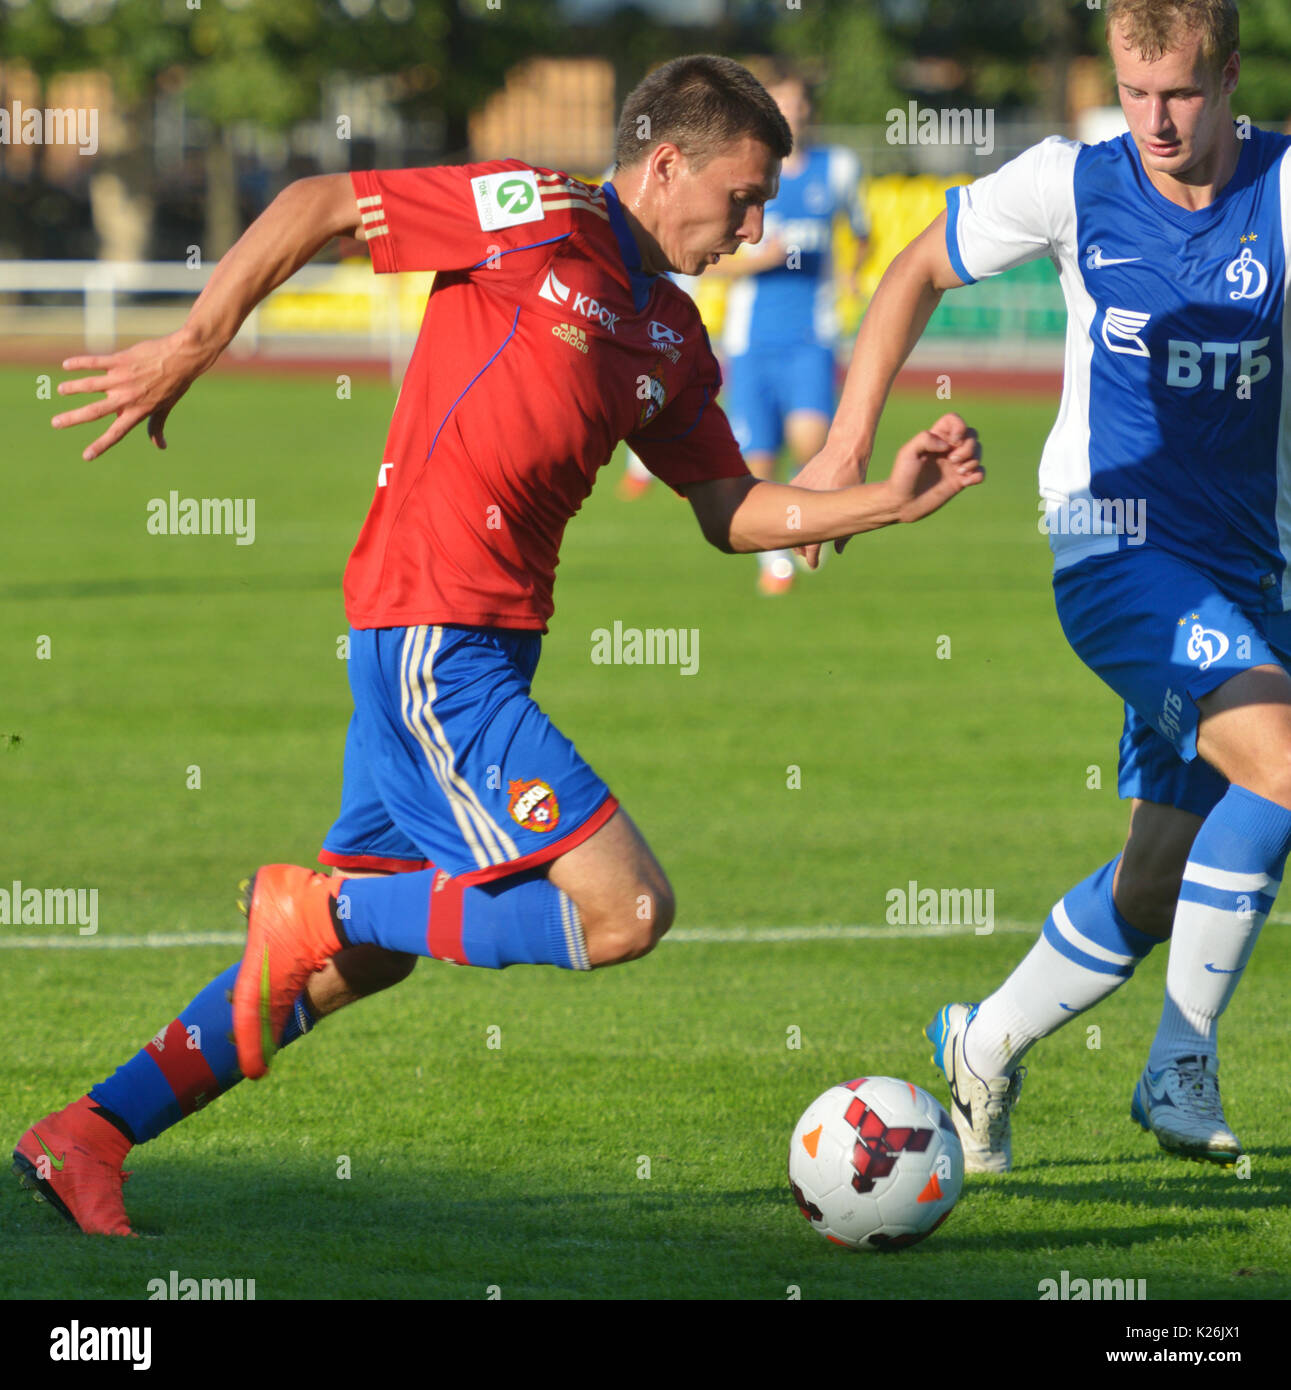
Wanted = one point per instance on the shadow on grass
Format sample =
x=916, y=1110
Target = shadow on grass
x=308, y=1235
x=177, y=1202
x=1155, y=1155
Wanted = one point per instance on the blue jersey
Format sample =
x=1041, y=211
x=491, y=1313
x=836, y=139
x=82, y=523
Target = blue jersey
x=794, y=303
x=1174, y=425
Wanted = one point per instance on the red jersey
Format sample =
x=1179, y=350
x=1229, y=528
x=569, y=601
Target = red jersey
x=542, y=346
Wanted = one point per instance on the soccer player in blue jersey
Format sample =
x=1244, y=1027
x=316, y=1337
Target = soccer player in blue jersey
x=780, y=331
x=1174, y=437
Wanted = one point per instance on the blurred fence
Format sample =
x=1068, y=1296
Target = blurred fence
x=342, y=310
x=346, y=310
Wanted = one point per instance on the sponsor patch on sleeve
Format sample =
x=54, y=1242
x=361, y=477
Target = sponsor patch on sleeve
x=506, y=199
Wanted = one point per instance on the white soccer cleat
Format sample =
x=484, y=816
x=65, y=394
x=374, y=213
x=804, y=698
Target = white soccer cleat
x=980, y=1107
x=1180, y=1104
x=775, y=573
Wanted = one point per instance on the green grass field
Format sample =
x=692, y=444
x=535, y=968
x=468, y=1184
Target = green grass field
x=942, y=732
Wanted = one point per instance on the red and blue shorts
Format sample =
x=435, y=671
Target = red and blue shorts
x=450, y=764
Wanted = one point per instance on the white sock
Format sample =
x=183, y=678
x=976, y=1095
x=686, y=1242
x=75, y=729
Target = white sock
x=1208, y=952
x=1229, y=885
x=1085, y=952
x=779, y=562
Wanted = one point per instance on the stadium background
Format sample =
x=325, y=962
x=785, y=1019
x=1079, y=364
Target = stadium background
x=204, y=113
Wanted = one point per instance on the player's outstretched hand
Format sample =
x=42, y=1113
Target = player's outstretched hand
x=142, y=382
x=823, y=473
x=934, y=466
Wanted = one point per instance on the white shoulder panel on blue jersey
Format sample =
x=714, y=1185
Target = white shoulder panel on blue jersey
x=1024, y=210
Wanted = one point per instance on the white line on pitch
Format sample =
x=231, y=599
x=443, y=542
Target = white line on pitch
x=151, y=941
x=725, y=936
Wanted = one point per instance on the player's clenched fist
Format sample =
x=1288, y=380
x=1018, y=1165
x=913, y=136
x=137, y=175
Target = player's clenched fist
x=935, y=465
x=951, y=427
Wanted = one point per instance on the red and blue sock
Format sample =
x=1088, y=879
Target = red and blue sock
x=185, y=1066
x=522, y=920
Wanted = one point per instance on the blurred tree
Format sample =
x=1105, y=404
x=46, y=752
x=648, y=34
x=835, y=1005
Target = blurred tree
x=447, y=55
x=1264, y=88
x=1004, y=53
x=261, y=63
x=1018, y=52
x=851, y=51
x=238, y=60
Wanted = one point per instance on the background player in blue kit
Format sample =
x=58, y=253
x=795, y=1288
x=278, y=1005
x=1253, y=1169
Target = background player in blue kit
x=780, y=329
x=1172, y=247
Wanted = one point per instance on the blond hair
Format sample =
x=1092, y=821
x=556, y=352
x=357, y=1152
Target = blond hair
x=1152, y=27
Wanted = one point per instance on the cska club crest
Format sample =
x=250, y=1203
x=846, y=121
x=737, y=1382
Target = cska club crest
x=533, y=805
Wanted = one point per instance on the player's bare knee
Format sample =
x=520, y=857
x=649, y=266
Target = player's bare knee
x=656, y=909
x=631, y=929
x=1271, y=776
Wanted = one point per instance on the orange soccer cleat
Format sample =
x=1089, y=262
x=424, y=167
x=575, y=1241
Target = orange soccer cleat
x=290, y=934
x=773, y=585
x=72, y=1160
x=630, y=487
x=775, y=573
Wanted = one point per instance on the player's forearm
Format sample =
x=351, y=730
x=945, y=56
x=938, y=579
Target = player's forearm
x=299, y=222
x=773, y=516
x=893, y=323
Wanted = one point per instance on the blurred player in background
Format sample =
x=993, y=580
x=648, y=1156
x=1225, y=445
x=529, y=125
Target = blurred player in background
x=1173, y=243
x=780, y=331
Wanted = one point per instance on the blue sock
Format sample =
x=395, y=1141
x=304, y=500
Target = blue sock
x=520, y=920
x=1087, y=916
x=186, y=1065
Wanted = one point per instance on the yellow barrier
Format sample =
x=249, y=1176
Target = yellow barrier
x=348, y=304
x=899, y=207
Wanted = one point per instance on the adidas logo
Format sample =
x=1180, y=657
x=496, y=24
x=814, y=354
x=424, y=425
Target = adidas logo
x=575, y=337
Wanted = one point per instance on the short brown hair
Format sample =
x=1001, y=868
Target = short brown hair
x=699, y=104
x=1151, y=27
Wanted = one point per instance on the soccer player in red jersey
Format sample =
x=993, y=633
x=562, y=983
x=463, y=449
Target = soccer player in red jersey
x=470, y=828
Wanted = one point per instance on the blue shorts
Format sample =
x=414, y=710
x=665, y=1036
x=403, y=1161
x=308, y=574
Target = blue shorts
x=1162, y=635
x=760, y=388
x=450, y=764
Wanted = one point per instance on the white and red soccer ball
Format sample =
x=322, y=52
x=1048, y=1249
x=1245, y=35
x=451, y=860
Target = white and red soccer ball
x=875, y=1164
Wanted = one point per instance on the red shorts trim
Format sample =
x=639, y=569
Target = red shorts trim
x=548, y=852
x=373, y=862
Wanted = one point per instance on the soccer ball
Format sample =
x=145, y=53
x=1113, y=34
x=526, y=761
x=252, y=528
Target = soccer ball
x=875, y=1164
